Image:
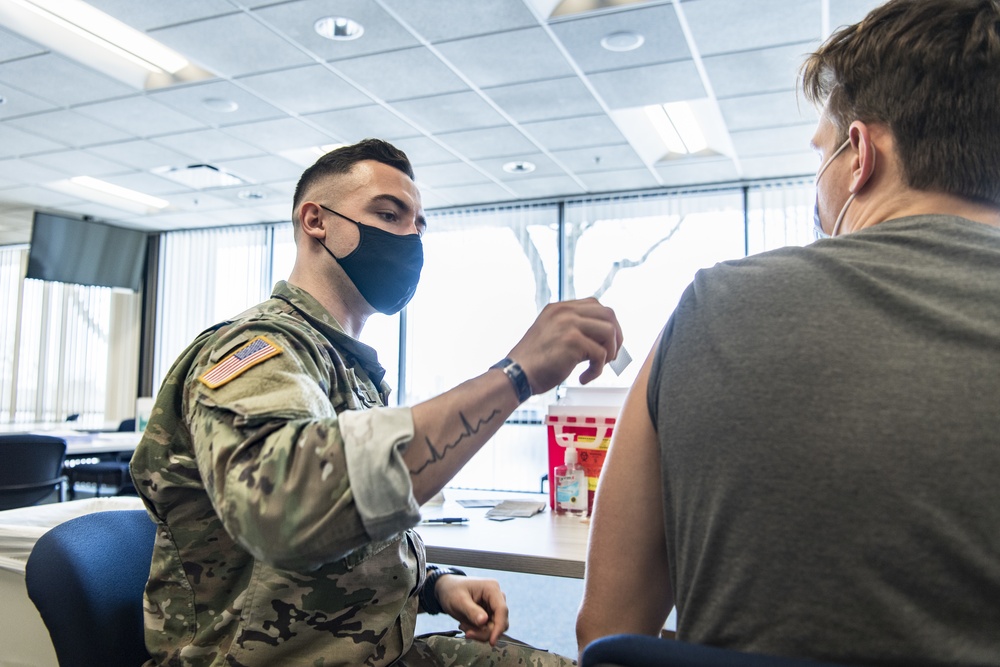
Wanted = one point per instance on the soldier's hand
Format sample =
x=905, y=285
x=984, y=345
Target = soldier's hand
x=565, y=334
x=479, y=606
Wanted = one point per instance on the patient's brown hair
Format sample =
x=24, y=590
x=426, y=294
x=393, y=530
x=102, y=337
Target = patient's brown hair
x=930, y=71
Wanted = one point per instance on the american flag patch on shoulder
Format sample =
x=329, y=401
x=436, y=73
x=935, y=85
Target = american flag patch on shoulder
x=246, y=357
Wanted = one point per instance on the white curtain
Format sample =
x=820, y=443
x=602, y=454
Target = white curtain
x=67, y=349
x=205, y=277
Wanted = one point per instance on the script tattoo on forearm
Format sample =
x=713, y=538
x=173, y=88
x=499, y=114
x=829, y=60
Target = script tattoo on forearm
x=467, y=431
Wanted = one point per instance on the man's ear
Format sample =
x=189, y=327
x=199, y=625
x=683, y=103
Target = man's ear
x=311, y=220
x=864, y=163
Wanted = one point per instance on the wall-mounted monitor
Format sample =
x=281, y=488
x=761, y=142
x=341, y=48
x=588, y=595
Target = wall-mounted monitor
x=85, y=252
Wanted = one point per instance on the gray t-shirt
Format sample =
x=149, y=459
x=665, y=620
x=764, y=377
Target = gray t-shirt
x=829, y=424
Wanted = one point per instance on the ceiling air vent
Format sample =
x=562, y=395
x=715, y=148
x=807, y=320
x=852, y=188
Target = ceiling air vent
x=200, y=176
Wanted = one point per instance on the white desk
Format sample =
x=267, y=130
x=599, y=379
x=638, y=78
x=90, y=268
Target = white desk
x=82, y=444
x=544, y=544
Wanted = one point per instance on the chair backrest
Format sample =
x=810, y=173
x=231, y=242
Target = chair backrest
x=30, y=468
x=86, y=577
x=645, y=651
x=126, y=425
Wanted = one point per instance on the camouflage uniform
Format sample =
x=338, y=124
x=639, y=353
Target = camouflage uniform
x=283, y=503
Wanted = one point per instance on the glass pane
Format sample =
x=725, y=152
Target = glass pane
x=780, y=214
x=638, y=255
x=486, y=276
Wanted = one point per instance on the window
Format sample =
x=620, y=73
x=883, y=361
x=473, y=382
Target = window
x=66, y=349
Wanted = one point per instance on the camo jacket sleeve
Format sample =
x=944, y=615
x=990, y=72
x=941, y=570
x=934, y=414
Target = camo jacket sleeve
x=300, y=461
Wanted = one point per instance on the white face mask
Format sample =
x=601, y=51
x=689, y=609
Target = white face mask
x=817, y=223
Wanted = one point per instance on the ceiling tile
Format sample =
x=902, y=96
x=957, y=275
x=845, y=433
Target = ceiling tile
x=196, y=101
x=572, y=133
x=37, y=196
x=727, y=26
x=209, y=145
x=296, y=19
x=146, y=183
x=773, y=140
x=475, y=194
x=351, y=125
x=140, y=116
x=544, y=167
x=400, y=75
x=442, y=20
x=22, y=172
x=696, y=171
x=553, y=186
x=15, y=142
x=58, y=80
x=453, y=173
x=19, y=103
x=663, y=39
x=13, y=46
x=509, y=57
x=142, y=155
x=279, y=135
x=613, y=181
x=150, y=15
x=258, y=49
x=69, y=127
x=652, y=84
x=451, y=113
x=782, y=166
x=308, y=89
x=768, y=110
x=492, y=142
x=424, y=150
x=847, y=12
x=545, y=100
x=756, y=72
x=79, y=163
x=262, y=169
x=599, y=158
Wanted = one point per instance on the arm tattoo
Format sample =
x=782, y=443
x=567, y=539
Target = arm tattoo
x=466, y=432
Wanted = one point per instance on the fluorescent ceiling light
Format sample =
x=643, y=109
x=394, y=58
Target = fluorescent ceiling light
x=97, y=40
x=119, y=191
x=678, y=127
x=102, y=192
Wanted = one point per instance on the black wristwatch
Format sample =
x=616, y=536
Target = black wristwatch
x=428, y=598
x=515, y=373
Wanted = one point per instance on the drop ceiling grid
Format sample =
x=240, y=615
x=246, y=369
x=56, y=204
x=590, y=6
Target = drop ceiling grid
x=464, y=89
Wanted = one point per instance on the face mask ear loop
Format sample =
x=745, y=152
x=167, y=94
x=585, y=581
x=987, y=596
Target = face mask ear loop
x=843, y=211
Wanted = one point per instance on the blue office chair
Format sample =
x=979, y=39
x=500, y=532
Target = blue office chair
x=30, y=469
x=86, y=577
x=645, y=651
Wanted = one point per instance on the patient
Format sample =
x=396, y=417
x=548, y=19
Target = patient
x=809, y=457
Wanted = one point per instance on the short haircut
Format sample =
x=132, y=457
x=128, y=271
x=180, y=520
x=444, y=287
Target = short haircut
x=342, y=160
x=930, y=71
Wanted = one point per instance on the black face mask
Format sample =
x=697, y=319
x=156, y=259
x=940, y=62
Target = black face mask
x=385, y=267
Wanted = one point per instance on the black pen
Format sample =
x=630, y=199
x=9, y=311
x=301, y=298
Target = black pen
x=447, y=519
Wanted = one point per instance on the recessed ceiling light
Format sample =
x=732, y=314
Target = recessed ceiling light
x=3, y=100
x=220, y=104
x=519, y=167
x=338, y=28
x=251, y=195
x=624, y=40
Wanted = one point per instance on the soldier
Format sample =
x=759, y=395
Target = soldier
x=284, y=491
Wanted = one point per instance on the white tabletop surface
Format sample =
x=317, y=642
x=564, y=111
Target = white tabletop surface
x=542, y=544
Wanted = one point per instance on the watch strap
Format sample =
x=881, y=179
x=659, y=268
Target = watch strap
x=516, y=375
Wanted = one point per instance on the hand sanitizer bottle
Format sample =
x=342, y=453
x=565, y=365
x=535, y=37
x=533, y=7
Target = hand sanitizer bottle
x=571, y=486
